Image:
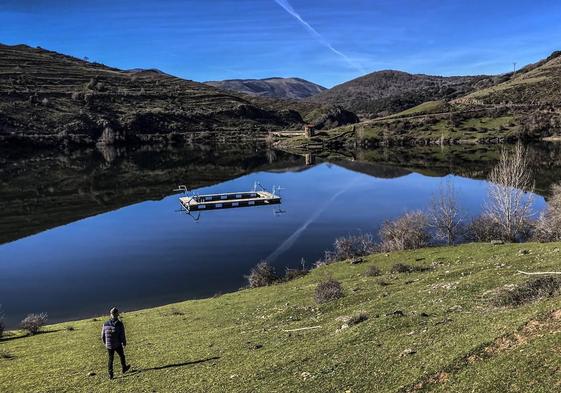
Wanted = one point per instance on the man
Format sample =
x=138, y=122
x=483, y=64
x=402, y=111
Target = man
x=113, y=336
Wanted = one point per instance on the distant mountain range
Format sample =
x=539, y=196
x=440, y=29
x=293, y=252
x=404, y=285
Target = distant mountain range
x=386, y=92
x=284, y=88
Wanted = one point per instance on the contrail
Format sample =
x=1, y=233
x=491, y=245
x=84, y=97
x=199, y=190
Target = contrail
x=288, y=8
x=292, y=238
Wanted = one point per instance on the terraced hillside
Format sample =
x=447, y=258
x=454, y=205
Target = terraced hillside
x=46, y=97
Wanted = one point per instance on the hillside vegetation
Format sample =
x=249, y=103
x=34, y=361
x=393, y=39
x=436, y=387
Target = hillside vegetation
x=387, y=92
x=285, y=88
x=525, y=105
x=457, y=319
x=50, y=98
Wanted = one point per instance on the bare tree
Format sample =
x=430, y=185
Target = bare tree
x=445, y=215
x=510, y=194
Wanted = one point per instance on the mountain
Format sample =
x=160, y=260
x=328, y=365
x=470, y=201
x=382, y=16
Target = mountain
x=285, y=88
x=50, y=98
x=386, y=92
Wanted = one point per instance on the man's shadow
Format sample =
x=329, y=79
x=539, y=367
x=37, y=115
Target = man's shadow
x=141, y=370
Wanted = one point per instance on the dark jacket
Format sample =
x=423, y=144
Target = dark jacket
x=113, y=334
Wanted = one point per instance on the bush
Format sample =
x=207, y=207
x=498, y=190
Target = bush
x=33, y=322
x=262, y=275
x=351, y=246
x=548, y=227
x=293, y=274
x=407, y=232
x=328, y=290
x=483, y=229
x=533, y=289
x=373, y=271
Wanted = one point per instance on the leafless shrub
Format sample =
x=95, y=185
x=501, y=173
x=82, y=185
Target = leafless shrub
x=445, y=215
x=483, y=229
x=373, y=271
x=262, y=275
x=548, y=226
x=510, y=194
x=407, y=232
x=347, y=247
x=533, y=289
x=354, y=246
x=293, y=274
x=327, y=290
x=34, y=322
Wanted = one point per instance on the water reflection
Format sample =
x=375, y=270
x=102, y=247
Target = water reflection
x=116, y=238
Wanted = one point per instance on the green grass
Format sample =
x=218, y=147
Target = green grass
x=237, y=342
x=424, y=108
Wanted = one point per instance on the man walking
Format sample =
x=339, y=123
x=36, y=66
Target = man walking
x=113, y=336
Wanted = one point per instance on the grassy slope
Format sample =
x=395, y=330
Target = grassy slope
x=366, y=357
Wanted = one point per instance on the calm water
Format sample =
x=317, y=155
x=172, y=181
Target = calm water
x=147, y=253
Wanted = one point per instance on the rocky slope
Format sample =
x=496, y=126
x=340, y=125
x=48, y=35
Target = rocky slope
x=50, y=98
x=285, y=88
x=386, y=92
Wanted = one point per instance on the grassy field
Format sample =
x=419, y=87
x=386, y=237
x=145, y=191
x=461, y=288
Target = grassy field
x=431, y=330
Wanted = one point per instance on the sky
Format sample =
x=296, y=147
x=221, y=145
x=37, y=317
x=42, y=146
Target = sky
x=324, y=41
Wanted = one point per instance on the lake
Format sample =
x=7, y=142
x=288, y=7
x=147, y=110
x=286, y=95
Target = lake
x=84, y=231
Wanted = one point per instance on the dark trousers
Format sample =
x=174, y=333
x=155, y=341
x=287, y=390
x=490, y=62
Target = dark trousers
x=111, y=352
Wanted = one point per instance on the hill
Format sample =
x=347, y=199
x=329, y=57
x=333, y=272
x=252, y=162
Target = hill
x=525, y=105
x=284, y=88
x=441, y=328
x=535, y=85
x=386, y=92
x=47, y=97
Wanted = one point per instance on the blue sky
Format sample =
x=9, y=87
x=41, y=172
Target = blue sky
x=325, y=41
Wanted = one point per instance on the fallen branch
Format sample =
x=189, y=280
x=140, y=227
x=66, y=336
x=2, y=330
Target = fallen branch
x=304, y=328
x=537, y=273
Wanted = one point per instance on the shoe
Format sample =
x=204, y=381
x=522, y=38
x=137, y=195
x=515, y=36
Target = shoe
x=127, y=368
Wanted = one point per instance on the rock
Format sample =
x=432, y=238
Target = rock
x=91, y=374
x=523, y=252
x=408, y=351
x=497, y=242
x=306, y=375
x=397, y=313
x=456, y=308
x=356, y=261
